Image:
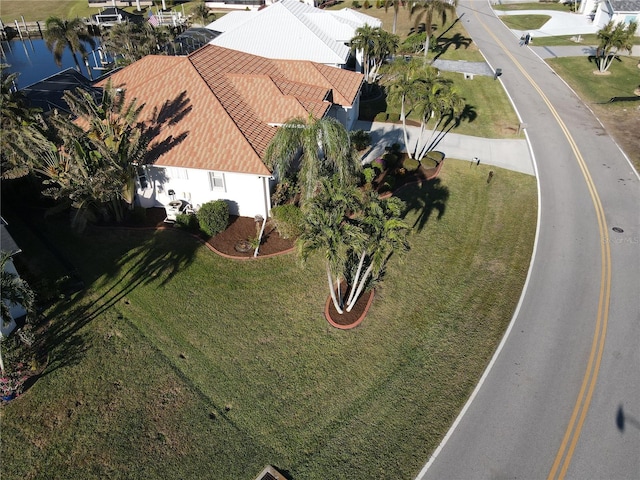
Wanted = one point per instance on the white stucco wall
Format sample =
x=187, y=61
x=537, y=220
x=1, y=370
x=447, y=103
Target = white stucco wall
x=247, y=195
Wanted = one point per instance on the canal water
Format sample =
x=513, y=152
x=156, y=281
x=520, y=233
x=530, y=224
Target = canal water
x=34, y=61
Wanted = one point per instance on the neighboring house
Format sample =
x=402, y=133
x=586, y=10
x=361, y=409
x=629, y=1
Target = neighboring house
x=8, y=244
x=618, y=11
x=121, y=3
x=216, y=111
x=111, y=16
x=293, y=30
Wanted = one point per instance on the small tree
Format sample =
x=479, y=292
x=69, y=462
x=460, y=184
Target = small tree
x=613, y=38
x=213, y=217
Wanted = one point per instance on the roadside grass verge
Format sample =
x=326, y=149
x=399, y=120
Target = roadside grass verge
x=177, y=363
x=621, y=119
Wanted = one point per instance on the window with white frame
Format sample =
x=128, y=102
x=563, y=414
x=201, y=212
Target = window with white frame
x=179, y=174
x=216, y=181
x=141, y=171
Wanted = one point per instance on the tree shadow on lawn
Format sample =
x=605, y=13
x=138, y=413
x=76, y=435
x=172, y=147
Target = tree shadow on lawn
x=153, y=262
x=424, y=198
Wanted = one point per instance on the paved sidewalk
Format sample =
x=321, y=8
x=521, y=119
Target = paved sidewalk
x=504, y=153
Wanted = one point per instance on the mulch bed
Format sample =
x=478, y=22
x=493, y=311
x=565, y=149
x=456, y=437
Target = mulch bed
x=244, y=228
x=349, y=318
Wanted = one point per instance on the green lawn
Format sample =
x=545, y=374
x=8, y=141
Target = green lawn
x=525, y=22
x=177, y=363
x=533, y=6
x=34, y=10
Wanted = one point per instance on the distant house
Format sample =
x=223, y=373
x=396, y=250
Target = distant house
x=293, y=30
x=216, y=111
x=618, y=11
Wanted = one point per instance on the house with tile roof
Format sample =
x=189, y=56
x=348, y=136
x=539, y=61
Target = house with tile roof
x=214, y=113
x=293, y=30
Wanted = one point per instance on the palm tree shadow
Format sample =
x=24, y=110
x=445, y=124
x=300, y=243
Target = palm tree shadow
x=457, y=40
x=154, y=262
x=423, y=199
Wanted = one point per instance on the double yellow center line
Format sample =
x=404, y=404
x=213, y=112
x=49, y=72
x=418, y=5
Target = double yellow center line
x=572, y=433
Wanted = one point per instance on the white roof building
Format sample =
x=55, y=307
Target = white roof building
x=292, y=30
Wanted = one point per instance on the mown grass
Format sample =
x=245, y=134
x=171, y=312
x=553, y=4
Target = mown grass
x=177, y=363
x=525, y=22
x=533, y=6
x=40, y=10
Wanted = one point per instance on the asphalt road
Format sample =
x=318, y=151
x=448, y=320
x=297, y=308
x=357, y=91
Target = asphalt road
x=562, y=396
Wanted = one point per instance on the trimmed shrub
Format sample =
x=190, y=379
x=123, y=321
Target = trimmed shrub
x=380, y=117
x=410, y=164
x=355, y=4
x=360, y=139
x=188, y=222
x=288, y=220
x=213, y=217
x=366, y=4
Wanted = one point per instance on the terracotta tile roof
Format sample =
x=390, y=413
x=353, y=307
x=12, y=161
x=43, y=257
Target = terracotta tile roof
x=213, y=108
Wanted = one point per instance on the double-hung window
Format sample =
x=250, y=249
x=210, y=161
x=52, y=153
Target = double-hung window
x=216, y=181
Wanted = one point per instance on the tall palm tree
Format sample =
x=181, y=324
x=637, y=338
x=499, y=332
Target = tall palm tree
x=15, y=291
x=402, y=89
x=60, y=34
x=613, y=38
x=327, y=230
x=374, y=46
x=362, y=43
x=385, y=233
x=396, y=8
x=326, y=150
x=447, y=112
x=427, y=10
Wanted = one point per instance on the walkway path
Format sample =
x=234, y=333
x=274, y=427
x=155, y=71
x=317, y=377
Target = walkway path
x=511, y=154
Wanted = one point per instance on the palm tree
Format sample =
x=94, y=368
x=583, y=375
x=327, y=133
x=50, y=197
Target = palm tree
x=362, y=42
x=613, y=38
x=385, y=233
x=15, y=291
x=402, y=89
x=61, y=34
x=396, y=8
x=129, y=42
x=114, y=136
x=448, y=112
x=200, y=12
x=328, y=230
x=426, y=10
x=326, y=150
x=374, y=45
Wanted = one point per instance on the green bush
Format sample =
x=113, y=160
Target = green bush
x=369, y=174
x=410, y=164
x=366, y=4
x=213, y=217
x=393, y=117
x=380, y=117
x=360, y=139
x=188, y=222
x=288, y=220
x=355, y=4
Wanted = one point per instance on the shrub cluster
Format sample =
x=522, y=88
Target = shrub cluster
x=213, y=217
x=288, y=220
x=187, y=221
